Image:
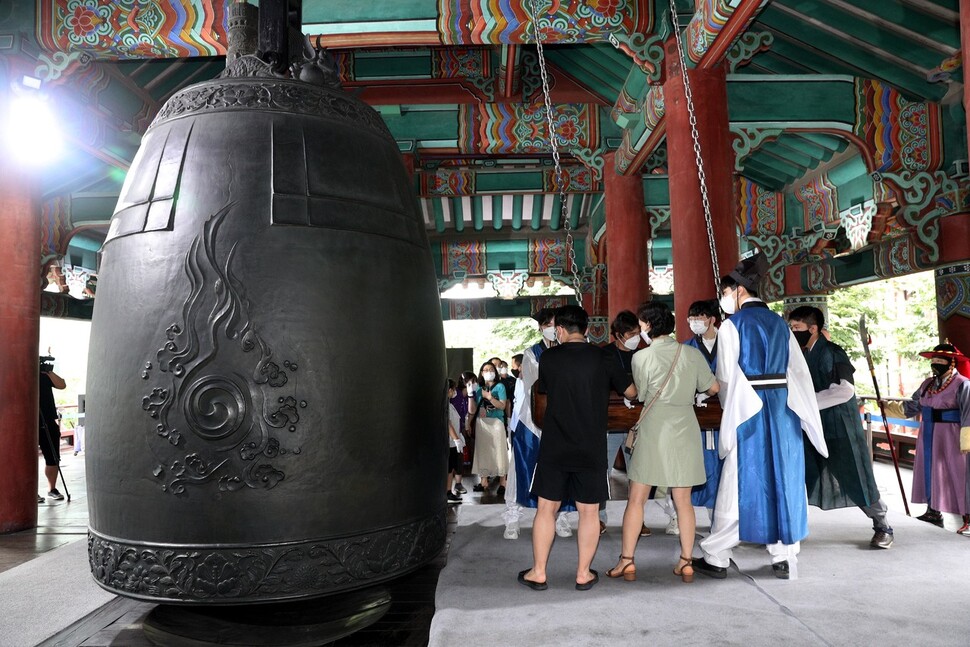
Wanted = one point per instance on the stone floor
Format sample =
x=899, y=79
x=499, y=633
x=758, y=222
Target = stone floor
x=406, y=623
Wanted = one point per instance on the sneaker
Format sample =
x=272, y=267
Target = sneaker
x=478, y=487
x=672, y=528
x=645, y=532
x=55, y=495
x=562, y=526
x=453, y=498
x=882, y=538
x=511, y=530
x=460, y=489
x=40, y=499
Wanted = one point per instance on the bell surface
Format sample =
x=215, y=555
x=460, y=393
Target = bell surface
x=266, y=387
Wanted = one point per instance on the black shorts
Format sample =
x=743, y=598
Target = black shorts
x=454, y=460
x=50, y=446
x=558, y=484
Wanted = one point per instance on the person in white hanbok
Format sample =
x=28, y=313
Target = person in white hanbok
x=768, y=399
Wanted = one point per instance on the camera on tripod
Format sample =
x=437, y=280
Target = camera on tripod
x=46, y=363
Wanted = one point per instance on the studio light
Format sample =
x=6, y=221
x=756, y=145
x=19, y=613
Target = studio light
x=31, y=134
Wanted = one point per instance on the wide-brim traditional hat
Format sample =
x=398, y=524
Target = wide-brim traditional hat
x=751, y=271
x=943, y=351
x=951, y=353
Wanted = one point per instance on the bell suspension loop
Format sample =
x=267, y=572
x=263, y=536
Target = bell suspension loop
x=698, y=158
x=560, y=175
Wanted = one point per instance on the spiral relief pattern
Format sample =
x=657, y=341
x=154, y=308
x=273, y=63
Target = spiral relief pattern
x=215, y=407
x=219, y=407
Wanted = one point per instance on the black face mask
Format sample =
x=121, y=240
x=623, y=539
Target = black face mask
x=514, y=372
x=939, y=369
x=802, y=337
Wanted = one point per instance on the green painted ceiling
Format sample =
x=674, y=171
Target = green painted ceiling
x=803, y=80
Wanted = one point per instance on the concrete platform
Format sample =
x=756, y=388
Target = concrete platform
x=847, y=594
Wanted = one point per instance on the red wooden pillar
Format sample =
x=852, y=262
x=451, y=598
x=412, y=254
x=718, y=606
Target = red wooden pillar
x=693, y=275
x=20, y=235
x=627, y=233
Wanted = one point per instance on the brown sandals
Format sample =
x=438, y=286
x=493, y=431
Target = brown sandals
x=628, y=572
x=684, y=569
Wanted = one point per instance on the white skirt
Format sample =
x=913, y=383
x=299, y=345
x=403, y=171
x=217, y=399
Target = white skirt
x=491, y=448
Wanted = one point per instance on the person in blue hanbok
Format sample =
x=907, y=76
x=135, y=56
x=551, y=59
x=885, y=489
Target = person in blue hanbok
x=702, y=317
x=525, y=435
x=768, y=400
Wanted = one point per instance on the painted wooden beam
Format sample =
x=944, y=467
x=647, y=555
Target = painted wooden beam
x=777, y=150
x=766, y=182
x=876, y=41
x=772, y=63
x=909, y=25
x=796, y=98
x=787, y=168
x=783, y=173
x=456, y=91
x=934, y=9
x=791, y=48
x=799, y=144
x=815, y=37
x=709, y=37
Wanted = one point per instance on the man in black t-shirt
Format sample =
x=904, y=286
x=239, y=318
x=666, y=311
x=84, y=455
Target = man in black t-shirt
x=577, y=378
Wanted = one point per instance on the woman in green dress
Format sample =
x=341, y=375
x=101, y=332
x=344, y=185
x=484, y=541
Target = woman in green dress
x=668, y=450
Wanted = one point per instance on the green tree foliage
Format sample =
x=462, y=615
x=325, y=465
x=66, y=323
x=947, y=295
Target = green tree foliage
x=901, y=317
x=516, y=334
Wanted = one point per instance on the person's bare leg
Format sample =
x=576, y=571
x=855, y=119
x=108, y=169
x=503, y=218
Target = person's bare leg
x=632, y=521
x=50, y=471
x=587, y=539
x=686, y=522
x=543, y=534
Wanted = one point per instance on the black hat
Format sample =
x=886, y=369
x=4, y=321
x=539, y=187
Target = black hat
x=750, y=271
x=542, y=315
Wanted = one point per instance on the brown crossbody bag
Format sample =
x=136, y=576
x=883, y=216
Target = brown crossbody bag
x=634, y=433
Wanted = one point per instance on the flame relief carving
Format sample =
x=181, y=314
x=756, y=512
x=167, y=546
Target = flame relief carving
x=223, y=408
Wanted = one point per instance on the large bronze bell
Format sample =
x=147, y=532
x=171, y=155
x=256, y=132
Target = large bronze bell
x=266, y=389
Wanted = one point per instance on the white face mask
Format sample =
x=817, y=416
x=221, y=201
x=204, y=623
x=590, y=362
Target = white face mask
x=549, y=333
x=646, y=338
x=632, y=343
x=728, y=304
x=488, y=376
x=698, y=327
x=503, y=371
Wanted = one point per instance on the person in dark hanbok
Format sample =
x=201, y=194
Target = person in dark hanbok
x=844, y=478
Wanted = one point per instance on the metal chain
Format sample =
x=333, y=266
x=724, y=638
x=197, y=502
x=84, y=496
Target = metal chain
x=699, y=159
x=560, y=176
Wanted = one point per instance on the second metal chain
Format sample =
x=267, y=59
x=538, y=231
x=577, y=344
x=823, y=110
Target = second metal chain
x=560, y=175
x=701, y=176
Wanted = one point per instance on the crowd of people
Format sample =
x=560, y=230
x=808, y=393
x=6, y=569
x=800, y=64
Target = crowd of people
x=781, y=431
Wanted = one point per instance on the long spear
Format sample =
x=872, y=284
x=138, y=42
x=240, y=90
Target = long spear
x=864, y=333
